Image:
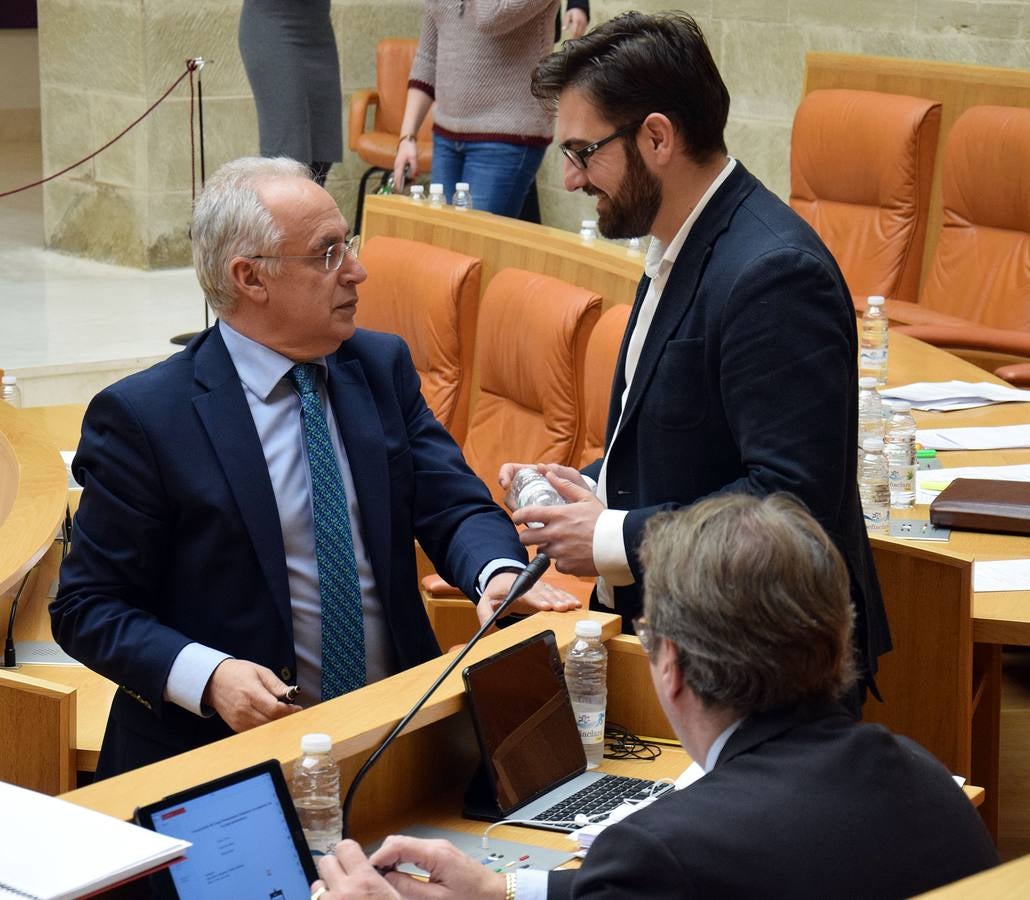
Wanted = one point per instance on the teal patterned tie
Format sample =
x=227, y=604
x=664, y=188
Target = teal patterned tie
x=343, y=632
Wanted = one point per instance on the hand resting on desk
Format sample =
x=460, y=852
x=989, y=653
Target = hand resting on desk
x=541, y=596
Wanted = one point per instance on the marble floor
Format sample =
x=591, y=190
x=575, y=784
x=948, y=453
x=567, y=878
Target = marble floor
x=69, y=326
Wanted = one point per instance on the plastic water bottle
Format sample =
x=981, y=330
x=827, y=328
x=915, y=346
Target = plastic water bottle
x=586, y=674
x=530, y=488
x=10, y=391
x=870, y=410
x=874, y=486
x=315, y=788
x=436, y=195
x=417, y=194
x=588, y=230
x=873, y=354
x=462, y=196
x=899, y=446
x=633, y=246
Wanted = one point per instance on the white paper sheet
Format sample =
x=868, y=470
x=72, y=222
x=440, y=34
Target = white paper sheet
x=950, y=395
x=999, y=437
x=930, y=482
x=55, y=849
x=1002, y=575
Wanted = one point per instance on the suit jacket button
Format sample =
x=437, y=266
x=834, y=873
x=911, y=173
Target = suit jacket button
x=284, y=673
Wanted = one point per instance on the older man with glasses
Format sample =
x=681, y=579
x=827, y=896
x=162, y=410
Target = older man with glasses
x=748, y=629
x=250, y=505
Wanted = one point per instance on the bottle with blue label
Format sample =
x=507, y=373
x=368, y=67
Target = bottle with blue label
x=586, y=674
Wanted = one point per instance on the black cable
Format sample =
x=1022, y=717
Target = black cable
x=621, y=743
x=10, y=661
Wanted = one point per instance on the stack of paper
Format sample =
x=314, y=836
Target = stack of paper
x=998, y=437
x=51, y=850
x=948, y=395
x=930, y=482
x=1001, y=575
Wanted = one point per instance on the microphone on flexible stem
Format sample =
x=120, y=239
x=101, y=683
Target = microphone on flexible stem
x=525, y=580
x=10, y=662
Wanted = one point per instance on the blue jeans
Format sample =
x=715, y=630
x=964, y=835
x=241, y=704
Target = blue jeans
x=498, y=174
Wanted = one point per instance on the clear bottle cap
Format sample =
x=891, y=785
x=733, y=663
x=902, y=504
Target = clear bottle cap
x=417, y=189
x=872, y=445
x=900, y=406
x=461, y=186
x=588, y=628
x=9, y=379
x=589, y=223
x=867, y=383
x=875, y=300
x=316, y=743
x=436, y=189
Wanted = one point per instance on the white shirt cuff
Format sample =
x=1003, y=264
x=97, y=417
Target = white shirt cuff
x=531, y=884
x=590, y=482
x=190, y=674
x=491, y=567
x=610, y=549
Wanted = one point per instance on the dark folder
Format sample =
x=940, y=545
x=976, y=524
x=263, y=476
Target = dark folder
x=979, y=504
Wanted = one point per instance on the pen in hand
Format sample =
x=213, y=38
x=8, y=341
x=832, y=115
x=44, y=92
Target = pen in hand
x=292, y=692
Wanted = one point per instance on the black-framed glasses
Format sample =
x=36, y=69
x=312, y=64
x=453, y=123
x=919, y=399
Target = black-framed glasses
x=333, y=256
x=644, y=634
x=579, y=157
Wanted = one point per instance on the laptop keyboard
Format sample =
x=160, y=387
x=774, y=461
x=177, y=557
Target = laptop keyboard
x=601, y=797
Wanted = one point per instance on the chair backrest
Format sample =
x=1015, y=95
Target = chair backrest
x=37, y=719
x=599, y=371
x=981, y=266
x=530, y=345
x=393, y=66
x=861, y=166
x=429, y=296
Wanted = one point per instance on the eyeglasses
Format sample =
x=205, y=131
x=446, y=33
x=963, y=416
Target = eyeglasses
x=333, y=256
x=579, y=157
x=645, y=635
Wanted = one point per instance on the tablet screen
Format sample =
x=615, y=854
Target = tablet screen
x=242, y=842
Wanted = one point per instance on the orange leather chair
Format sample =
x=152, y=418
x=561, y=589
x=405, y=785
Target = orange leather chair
x=978, y=286
x=378, y=147
x=531, y=345
x=430, y=297
x=599, y=372
x=861, y=166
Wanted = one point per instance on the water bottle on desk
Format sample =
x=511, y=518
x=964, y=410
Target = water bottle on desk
x=436, y=198
x=586, y=674
x=870, y=410
x=462, y=196
x=874, y=342
x=588, y=230
x=899, y=446
x=417, y=194
x=315, y=788
x=874, y=486
x=9, y=390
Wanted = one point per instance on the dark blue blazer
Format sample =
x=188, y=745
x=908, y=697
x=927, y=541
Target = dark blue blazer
x=802, y=802
x=747, y=382
x=178, y=538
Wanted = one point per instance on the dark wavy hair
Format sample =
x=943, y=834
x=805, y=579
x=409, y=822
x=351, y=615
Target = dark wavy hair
x=636, y=64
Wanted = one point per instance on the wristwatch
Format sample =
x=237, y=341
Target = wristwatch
x=406, y=137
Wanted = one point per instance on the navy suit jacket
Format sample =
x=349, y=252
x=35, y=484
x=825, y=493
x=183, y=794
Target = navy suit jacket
x=178, y=538
x=803, y=802
x=747, y=382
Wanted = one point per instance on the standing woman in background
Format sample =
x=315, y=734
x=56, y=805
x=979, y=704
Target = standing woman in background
x=289, y=52
x=475, y=58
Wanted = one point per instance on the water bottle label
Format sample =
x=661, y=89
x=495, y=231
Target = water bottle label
x=873, y=357
x=590, y=722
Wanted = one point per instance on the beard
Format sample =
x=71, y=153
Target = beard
x=631, y=210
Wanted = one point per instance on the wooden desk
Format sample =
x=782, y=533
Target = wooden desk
x=58, y=428
x=1007, y=882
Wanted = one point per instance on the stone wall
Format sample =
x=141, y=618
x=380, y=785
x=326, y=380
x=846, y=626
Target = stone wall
x=103, y=62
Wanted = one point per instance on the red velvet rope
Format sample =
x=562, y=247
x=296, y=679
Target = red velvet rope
x=191, y=65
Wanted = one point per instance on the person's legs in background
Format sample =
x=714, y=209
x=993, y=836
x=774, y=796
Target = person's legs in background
x=448, y=161
x=499, y=174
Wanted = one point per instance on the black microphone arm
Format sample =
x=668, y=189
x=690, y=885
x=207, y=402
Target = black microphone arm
x=10, y=660
x=525, y=580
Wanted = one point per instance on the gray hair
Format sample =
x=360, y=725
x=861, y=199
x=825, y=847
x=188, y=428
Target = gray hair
x=229, y=221
x=755, y=597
